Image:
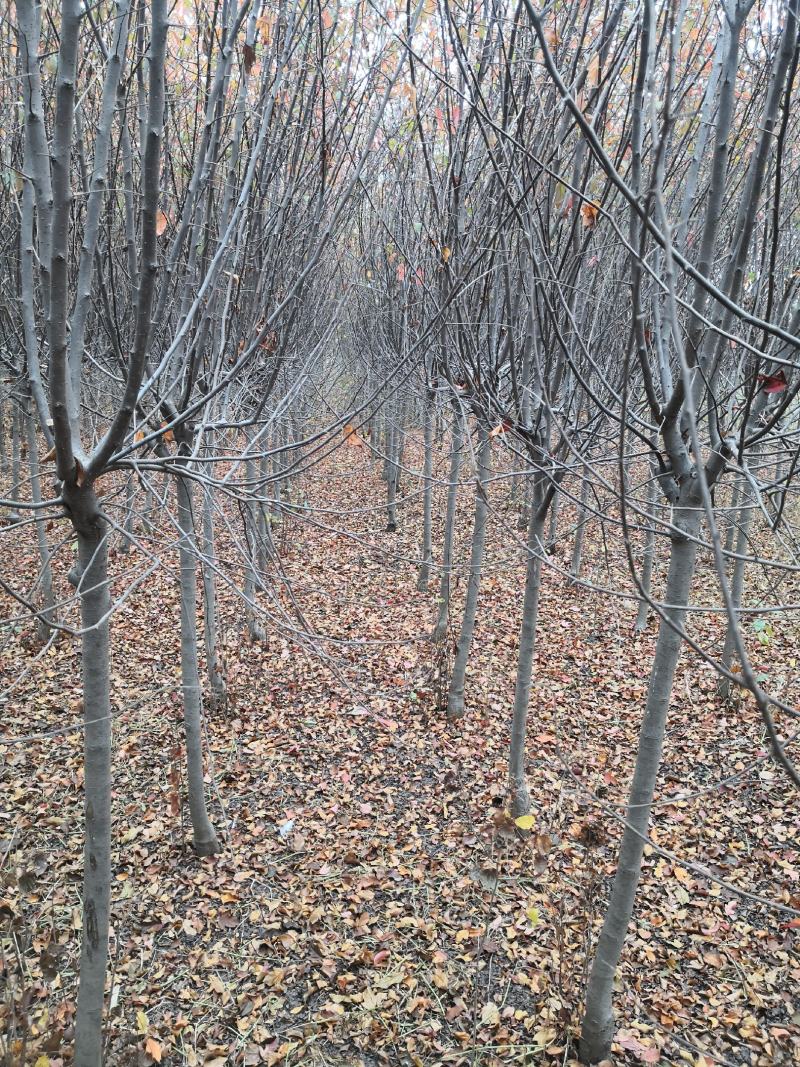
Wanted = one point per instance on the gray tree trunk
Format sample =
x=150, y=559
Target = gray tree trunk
x=48, y=615
x=95, y=607
x=130, y=514
x=737, y=587
x=216, y=675
x=427, y=497
x=392, y=477
x=597, y=1030
x=552, y=533
x=577, y=548
x=440, y=630
x=648, y=558
x=455, y=695
x=254, y=625
x=13, y=514
x=518, y=795
x=203, y=835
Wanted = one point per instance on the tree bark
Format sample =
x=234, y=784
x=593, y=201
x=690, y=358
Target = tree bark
x=577, y=548
x=427, y=496
x=216, y=676
x=48, y=616
x=737, y=587
x=95, y=607
x=440, y=630
x=518, y=795
x=455, y=695
x=598, y=1022
x=648, y=558
x=203, y=835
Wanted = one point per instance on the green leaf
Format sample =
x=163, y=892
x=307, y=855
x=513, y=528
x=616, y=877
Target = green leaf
x=533, y=915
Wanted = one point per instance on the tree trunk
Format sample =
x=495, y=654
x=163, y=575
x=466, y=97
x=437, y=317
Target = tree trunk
x=216, y=676
x=518, y=795
x=552, y=534
x=455, y=695
x=730, y=534
x=440, y=630
x=391, y=479
x=204, y=839
x=13, y=514
x=48, y=617
x=254, y=625
x=737, y=587
x=648, y=556
x=577, y=548
x=598, y=1021
x=95, y=607
x=130, y=512
x=427, y=497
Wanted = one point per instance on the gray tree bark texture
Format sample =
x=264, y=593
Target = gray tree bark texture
x=519, y=800
x=204, y=838
x=427, y=497
x=95, y=608
x=737, y=587
x=648, y=557
x=455, y=695
x=216, y=675
x=440, y=629
x=597, y=1030
x=48, y=616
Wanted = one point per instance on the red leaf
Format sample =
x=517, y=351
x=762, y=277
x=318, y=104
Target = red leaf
x=773, y=383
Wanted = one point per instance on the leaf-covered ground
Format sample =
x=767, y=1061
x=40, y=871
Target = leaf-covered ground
x=373, y=905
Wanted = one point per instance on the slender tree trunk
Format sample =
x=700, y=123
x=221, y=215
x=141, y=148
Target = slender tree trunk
x=455, y=696
x=263, y=514
x=598, y=1021
x=391, y=479
x=648, y=556
x=3, y=448
x=553, y=531
x=130, y=514
x=519, y=800
x=13, y=514
x=577, y=548
x=95, y=607
x=216, y=676
x=730, y=534
x=204, y=838
x=427, y=497
x=48, y=616
x=737, y=587
x=254, y=625
x=440, y=630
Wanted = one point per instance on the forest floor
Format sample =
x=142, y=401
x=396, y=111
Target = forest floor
x=372, y=904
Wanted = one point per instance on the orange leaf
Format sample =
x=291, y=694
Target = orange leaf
x=161, y=223
x=152, y=1048
x=168, y=435
x=589, y=214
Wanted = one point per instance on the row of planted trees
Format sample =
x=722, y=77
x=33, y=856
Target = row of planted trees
x=566, y=244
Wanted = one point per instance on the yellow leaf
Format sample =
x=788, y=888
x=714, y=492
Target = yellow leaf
x=525, y=822
x=43, y=1061
x=445, y=254
x=142, y=1024
x=490, y=1016
x=152, y=1048
x=533, y=915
